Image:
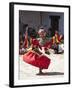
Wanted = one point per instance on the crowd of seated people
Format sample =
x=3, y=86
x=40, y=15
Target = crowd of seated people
x=54, y=42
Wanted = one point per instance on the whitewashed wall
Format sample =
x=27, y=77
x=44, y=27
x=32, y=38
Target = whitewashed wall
x=33, y=19
x=30, y=18
x=47, y=21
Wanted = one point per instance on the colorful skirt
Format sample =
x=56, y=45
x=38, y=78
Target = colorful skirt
x=37, y=60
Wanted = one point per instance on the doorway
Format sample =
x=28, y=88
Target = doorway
x=54, y=24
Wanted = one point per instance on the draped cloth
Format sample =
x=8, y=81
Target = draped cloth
x=36, y=60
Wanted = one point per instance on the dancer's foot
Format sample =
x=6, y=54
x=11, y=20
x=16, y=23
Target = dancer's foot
x=40, y=71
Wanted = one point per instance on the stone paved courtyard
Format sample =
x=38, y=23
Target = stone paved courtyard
x=56, y=68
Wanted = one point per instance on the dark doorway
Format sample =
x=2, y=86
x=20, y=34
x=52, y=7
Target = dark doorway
x=54, y=24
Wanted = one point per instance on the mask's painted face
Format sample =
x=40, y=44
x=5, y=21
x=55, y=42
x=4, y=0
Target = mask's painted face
x=42, y=33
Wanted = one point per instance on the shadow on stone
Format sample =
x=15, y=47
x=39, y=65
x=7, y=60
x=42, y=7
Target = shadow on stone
x=50, y=73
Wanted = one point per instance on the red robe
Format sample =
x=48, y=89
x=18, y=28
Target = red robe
x=57, y=39
x=35, y=59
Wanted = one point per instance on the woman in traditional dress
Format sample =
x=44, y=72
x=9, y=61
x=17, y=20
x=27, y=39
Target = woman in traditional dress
x=33, y=56
x=56, y=42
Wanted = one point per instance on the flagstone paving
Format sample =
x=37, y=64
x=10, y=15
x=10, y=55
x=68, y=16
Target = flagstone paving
x=56, y=68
